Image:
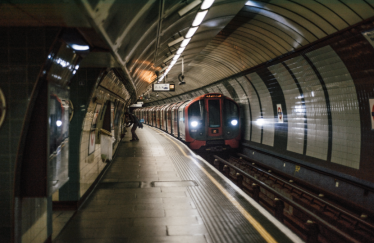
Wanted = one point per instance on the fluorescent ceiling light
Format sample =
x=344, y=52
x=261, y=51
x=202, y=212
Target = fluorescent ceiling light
x=176, y=57
x=190, y=6
x=191, y=32
x=206, y=4
x=168, y=58
x=199, y=18
x=180, y=50
x=172, y=63
x=80, y=47
x=185, y=42
x=176, y=41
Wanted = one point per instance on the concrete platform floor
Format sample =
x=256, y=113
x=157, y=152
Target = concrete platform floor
x=192, y=204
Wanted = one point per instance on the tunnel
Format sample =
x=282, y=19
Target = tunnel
x=300, y=71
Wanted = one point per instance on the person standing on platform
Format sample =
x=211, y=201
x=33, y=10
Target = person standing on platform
x=135, y=125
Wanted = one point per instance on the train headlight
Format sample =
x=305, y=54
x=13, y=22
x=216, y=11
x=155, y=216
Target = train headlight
x=234, y=122
x=194, y=124
x=58, y=123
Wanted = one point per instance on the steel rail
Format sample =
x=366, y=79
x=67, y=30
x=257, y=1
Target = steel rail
x=316, y=198
x=292, y=203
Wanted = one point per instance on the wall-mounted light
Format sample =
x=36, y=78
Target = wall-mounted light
x=176, y=41
x=191, y=32
x=206, y=4
x=189, y=7
x=80, y=47
x=199, y=18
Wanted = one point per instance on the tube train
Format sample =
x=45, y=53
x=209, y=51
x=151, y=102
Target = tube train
x=208, y=122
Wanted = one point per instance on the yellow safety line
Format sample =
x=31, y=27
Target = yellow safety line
x=249, y=217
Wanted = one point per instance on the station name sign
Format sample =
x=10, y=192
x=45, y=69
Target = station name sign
x=163, y=87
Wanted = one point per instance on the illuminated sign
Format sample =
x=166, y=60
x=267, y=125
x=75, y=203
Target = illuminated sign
x=213, y=96
x=163, y=87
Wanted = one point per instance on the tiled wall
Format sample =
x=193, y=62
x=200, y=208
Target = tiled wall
x=22, y=54
x=325, y=91
x=84, y=168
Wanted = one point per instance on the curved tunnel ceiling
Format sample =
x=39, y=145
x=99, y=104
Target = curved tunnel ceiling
x=234, y=36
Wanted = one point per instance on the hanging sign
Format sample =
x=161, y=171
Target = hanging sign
x=369, y=35
x=163, y=87
x=371, y=103
x=280, y=113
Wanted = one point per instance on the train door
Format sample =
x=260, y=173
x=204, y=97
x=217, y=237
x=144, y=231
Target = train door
x=214, y=117
x=182, y=121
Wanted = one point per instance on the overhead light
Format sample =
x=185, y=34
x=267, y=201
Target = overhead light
x=191, y=32
x=206, y=4
x=180, y=50
x=176, y=41
x=185, y=42
x=168, y=58
x=176, y=57
x=199, y=18
x=80, y=47
x=190, y=6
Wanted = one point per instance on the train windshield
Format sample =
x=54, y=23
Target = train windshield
x=231, y=111
x=214, y=113
x=196, y=110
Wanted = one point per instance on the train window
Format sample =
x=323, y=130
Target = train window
x=214, y=113
x=231, y=112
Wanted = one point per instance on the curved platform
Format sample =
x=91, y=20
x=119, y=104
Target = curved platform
x=157, y=190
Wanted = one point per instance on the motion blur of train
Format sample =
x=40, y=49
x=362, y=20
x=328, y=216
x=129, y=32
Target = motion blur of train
x=208, y=122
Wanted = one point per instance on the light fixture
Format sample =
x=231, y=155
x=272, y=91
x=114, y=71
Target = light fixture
x=194, y=124
x=206, y=4
x=180, y=50
x=199, y=18
x=234, y=122
x=176, y=41
x=185, y=42
x=191, y=32
x=80, y=47
x=260, y=121
x=190, y=6
x=58, y=123
x=176, y=57
x=168, y=58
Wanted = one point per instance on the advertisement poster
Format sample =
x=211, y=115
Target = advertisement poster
x=91, y=146
x=280, y=113
x=96, y=114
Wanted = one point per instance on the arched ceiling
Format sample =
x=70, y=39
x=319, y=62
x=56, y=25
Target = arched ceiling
x=235, y=35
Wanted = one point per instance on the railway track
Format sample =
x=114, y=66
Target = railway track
x=309, y=213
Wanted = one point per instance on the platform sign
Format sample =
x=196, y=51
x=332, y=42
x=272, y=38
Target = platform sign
x=371, y=102
x=163, y=87
x=369, y=35
x=280, y=113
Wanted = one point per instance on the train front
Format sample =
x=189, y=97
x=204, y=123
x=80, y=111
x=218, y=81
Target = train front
x=213, y=123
